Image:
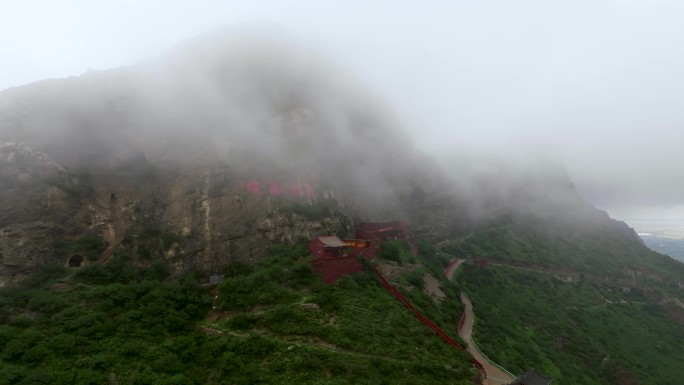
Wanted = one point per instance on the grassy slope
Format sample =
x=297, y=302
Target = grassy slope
x=113, y=322
x=569, y=330
x=375, y=339
x=600, y=249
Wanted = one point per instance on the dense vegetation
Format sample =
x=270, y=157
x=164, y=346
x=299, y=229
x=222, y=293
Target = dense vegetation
x=106, y=323
x=602, y=250
x=349, y=332
x=579, y=247
x=120, y=322
x=578, y=297
x=88, y=245
x=584, y=308
x=578, y=330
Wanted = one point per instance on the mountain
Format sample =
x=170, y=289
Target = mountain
x=121, y=190
x=220, y=148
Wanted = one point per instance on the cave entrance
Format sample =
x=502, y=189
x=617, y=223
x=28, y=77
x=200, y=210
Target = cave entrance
x=75, y=261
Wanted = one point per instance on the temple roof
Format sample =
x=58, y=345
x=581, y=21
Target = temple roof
x=532, y=378
x=332, y=241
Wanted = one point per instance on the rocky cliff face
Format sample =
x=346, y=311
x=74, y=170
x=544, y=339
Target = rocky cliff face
x=207, y=155
x=196, y=217
x=218, y=150
x=37, y=201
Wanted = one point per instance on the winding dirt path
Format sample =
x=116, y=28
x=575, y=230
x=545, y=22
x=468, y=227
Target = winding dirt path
x=495, y=376
x=451, y=269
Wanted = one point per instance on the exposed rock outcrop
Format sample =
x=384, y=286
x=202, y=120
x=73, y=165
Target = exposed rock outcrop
x=216, y=151
x=37, y=201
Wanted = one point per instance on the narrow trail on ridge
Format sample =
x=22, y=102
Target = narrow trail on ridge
x=495, y=376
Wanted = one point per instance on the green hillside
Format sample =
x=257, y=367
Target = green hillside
x=273, y=323
x=571, y=330
x=570, y=292
x=585, y=302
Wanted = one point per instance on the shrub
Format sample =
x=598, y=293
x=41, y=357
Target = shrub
x=128, y=239
x=300, y=274
x=242, y=321
x=396, y=250
x=415, y=278
x=89, y=245
x=157, y=271
x=144, y=252
x=237, y=268
x=237, y=293
x=45, y=275
x=328, y=299
x=118, y=269
x=46, y=302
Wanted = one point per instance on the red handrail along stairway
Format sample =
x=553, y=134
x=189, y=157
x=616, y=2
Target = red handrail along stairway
x=426, y=321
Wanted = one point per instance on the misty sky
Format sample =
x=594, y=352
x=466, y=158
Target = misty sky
x=598, y=83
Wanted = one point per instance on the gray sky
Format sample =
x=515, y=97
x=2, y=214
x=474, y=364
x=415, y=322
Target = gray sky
x=600, y=83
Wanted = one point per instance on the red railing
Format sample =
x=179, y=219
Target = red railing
x=426, y=321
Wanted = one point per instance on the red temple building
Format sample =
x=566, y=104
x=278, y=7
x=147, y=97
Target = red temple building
x=328, y=247
x=377, y=232
x=334, y=258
